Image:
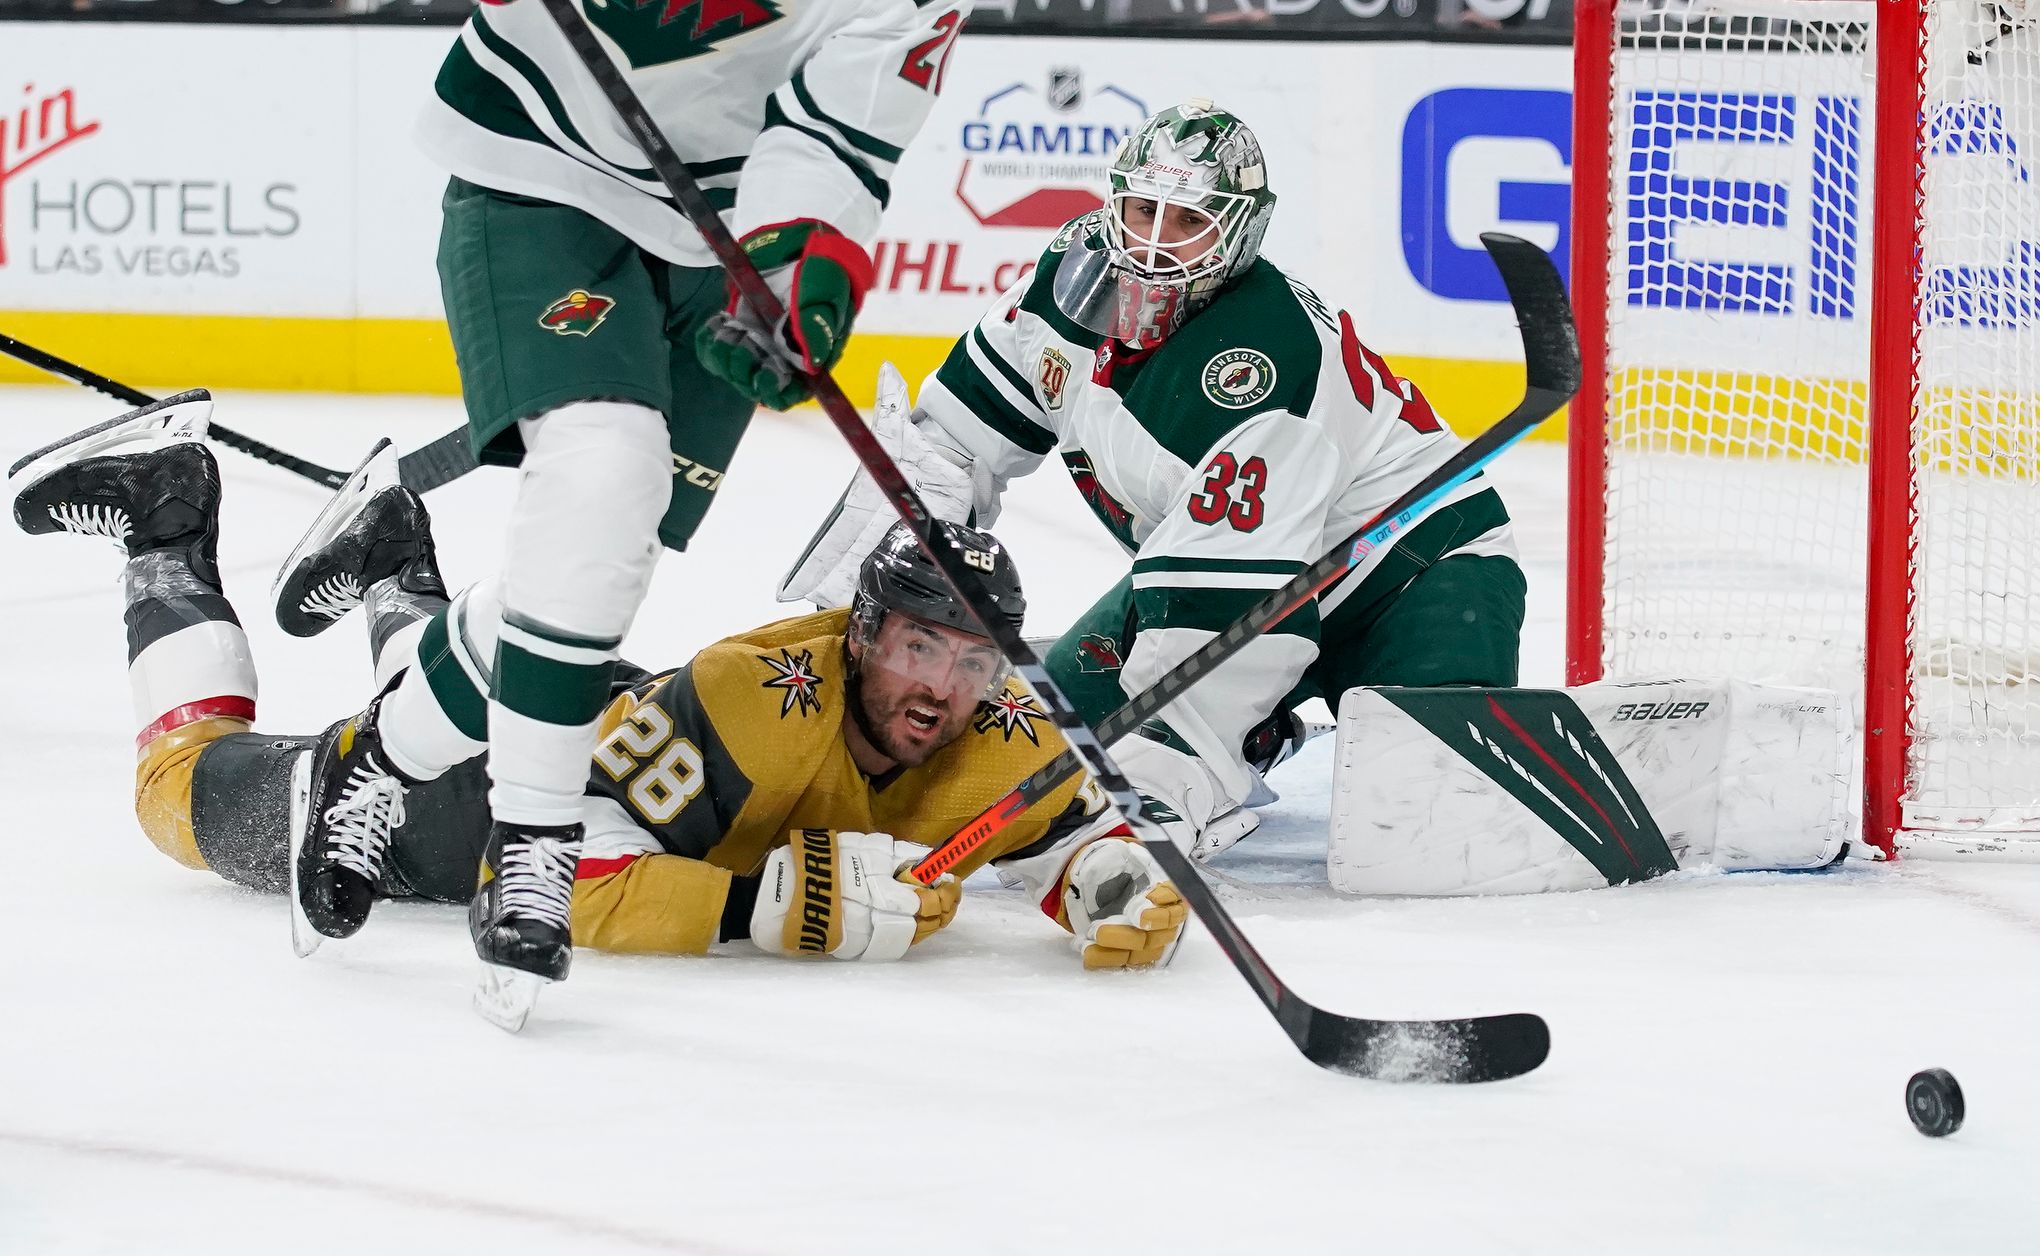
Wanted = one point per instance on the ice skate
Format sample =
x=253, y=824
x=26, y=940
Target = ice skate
x=144, y=481
x=351, y=800
x=373, y=529
x=519, y=917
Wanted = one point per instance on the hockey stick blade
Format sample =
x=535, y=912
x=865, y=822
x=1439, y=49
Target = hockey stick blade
x=1454, y=1052
x=1551, y=373
x=1457, y=1051
x=886, y=474
x=444, y=460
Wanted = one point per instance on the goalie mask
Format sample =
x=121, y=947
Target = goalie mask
x=940, y=646
x=1189, y=205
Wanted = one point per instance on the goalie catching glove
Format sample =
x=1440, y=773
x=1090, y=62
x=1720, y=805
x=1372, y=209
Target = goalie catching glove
x=1122, y=909
x=849, y=895
x=820, y=275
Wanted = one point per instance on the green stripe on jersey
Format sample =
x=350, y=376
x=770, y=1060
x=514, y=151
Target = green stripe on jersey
x=548, y=690
x=470, y=90
x=1281, y=568
x=962, y=376
x=1214, y=610
x=535, y=77
x=1001, y=365
x=859, y=140
x=880, y=190
x=466, y=706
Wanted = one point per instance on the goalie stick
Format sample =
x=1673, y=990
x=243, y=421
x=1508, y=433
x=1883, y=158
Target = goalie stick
x=1551, y=371
x=446, y=459
x=1476, y=1049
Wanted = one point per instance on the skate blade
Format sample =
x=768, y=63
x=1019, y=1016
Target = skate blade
x=185, y=416
x=504, y=997
x=376, y=472
x=303, y=938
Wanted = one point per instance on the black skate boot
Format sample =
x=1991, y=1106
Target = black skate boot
x=1278, y=738
x=519, y=916
x=144, y=481
x=347, y=799
x=374, y=529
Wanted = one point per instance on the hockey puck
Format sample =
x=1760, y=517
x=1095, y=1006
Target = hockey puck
x=1934, y=1102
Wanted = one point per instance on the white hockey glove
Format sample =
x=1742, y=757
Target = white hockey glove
x=848, y=895
x=1184, y=797
x=826, y=573
x=1123, y=911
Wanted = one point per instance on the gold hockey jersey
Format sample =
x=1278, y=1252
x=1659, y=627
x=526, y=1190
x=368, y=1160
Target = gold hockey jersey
x=701, y=772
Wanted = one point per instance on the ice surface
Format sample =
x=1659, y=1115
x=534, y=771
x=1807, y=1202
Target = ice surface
x=1727, y=1068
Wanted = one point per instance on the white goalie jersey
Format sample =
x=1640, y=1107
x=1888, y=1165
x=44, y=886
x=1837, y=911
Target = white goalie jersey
x=1226, y=460
x=780, y=111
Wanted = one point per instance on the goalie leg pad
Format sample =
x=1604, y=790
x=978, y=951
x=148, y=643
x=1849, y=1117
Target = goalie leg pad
x=1733, y=775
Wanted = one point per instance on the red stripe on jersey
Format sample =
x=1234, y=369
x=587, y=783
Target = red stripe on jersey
x=589, y=869
x=233, y=705
x=1349, y=351
x=1417, y=411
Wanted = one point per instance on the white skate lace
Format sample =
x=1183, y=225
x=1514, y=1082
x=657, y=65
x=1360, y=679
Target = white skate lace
x=334, y=597
x=538, y=879
x=110, y=522
x=371, y=806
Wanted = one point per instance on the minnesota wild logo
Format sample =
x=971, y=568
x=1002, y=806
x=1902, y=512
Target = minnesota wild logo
x=654, y=32
x=578, y=313
x=1238, y=378
x=1097, y=652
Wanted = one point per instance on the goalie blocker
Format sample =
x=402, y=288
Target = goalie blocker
x=1510, y=791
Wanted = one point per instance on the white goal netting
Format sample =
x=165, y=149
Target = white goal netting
x=1738, y=362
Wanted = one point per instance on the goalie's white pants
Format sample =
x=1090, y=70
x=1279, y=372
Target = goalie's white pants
x=1736, y=776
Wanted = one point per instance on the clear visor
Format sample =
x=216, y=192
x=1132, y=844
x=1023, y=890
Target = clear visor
x=950, y=664
x=1098, y=294
x=1134, y=281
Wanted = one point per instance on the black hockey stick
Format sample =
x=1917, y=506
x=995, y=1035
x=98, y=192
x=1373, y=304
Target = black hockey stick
x=135, y=397
x=424, y=469
x=1479, y=1049
x=1551, y=370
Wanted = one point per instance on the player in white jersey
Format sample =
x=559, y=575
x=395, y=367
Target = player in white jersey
x=1229, y=427
x=600, y=350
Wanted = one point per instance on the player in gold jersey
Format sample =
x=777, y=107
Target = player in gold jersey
x=777, y=787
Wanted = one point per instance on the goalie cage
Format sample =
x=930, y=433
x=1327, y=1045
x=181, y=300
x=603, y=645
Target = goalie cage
x=1804, y=381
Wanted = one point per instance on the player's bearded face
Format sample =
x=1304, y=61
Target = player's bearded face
x=919, y=685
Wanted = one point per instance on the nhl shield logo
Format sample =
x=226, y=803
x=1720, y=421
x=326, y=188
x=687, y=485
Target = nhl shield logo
x=1065, y=88
x=578, y=313
x=1237, y=378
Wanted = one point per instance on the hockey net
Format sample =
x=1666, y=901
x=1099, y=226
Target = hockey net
x=1811, y=321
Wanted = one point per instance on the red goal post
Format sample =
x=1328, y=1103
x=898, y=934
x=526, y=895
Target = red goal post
x=1807, y=446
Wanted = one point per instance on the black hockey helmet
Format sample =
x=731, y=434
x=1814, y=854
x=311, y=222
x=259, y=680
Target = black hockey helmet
x=897, y=576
